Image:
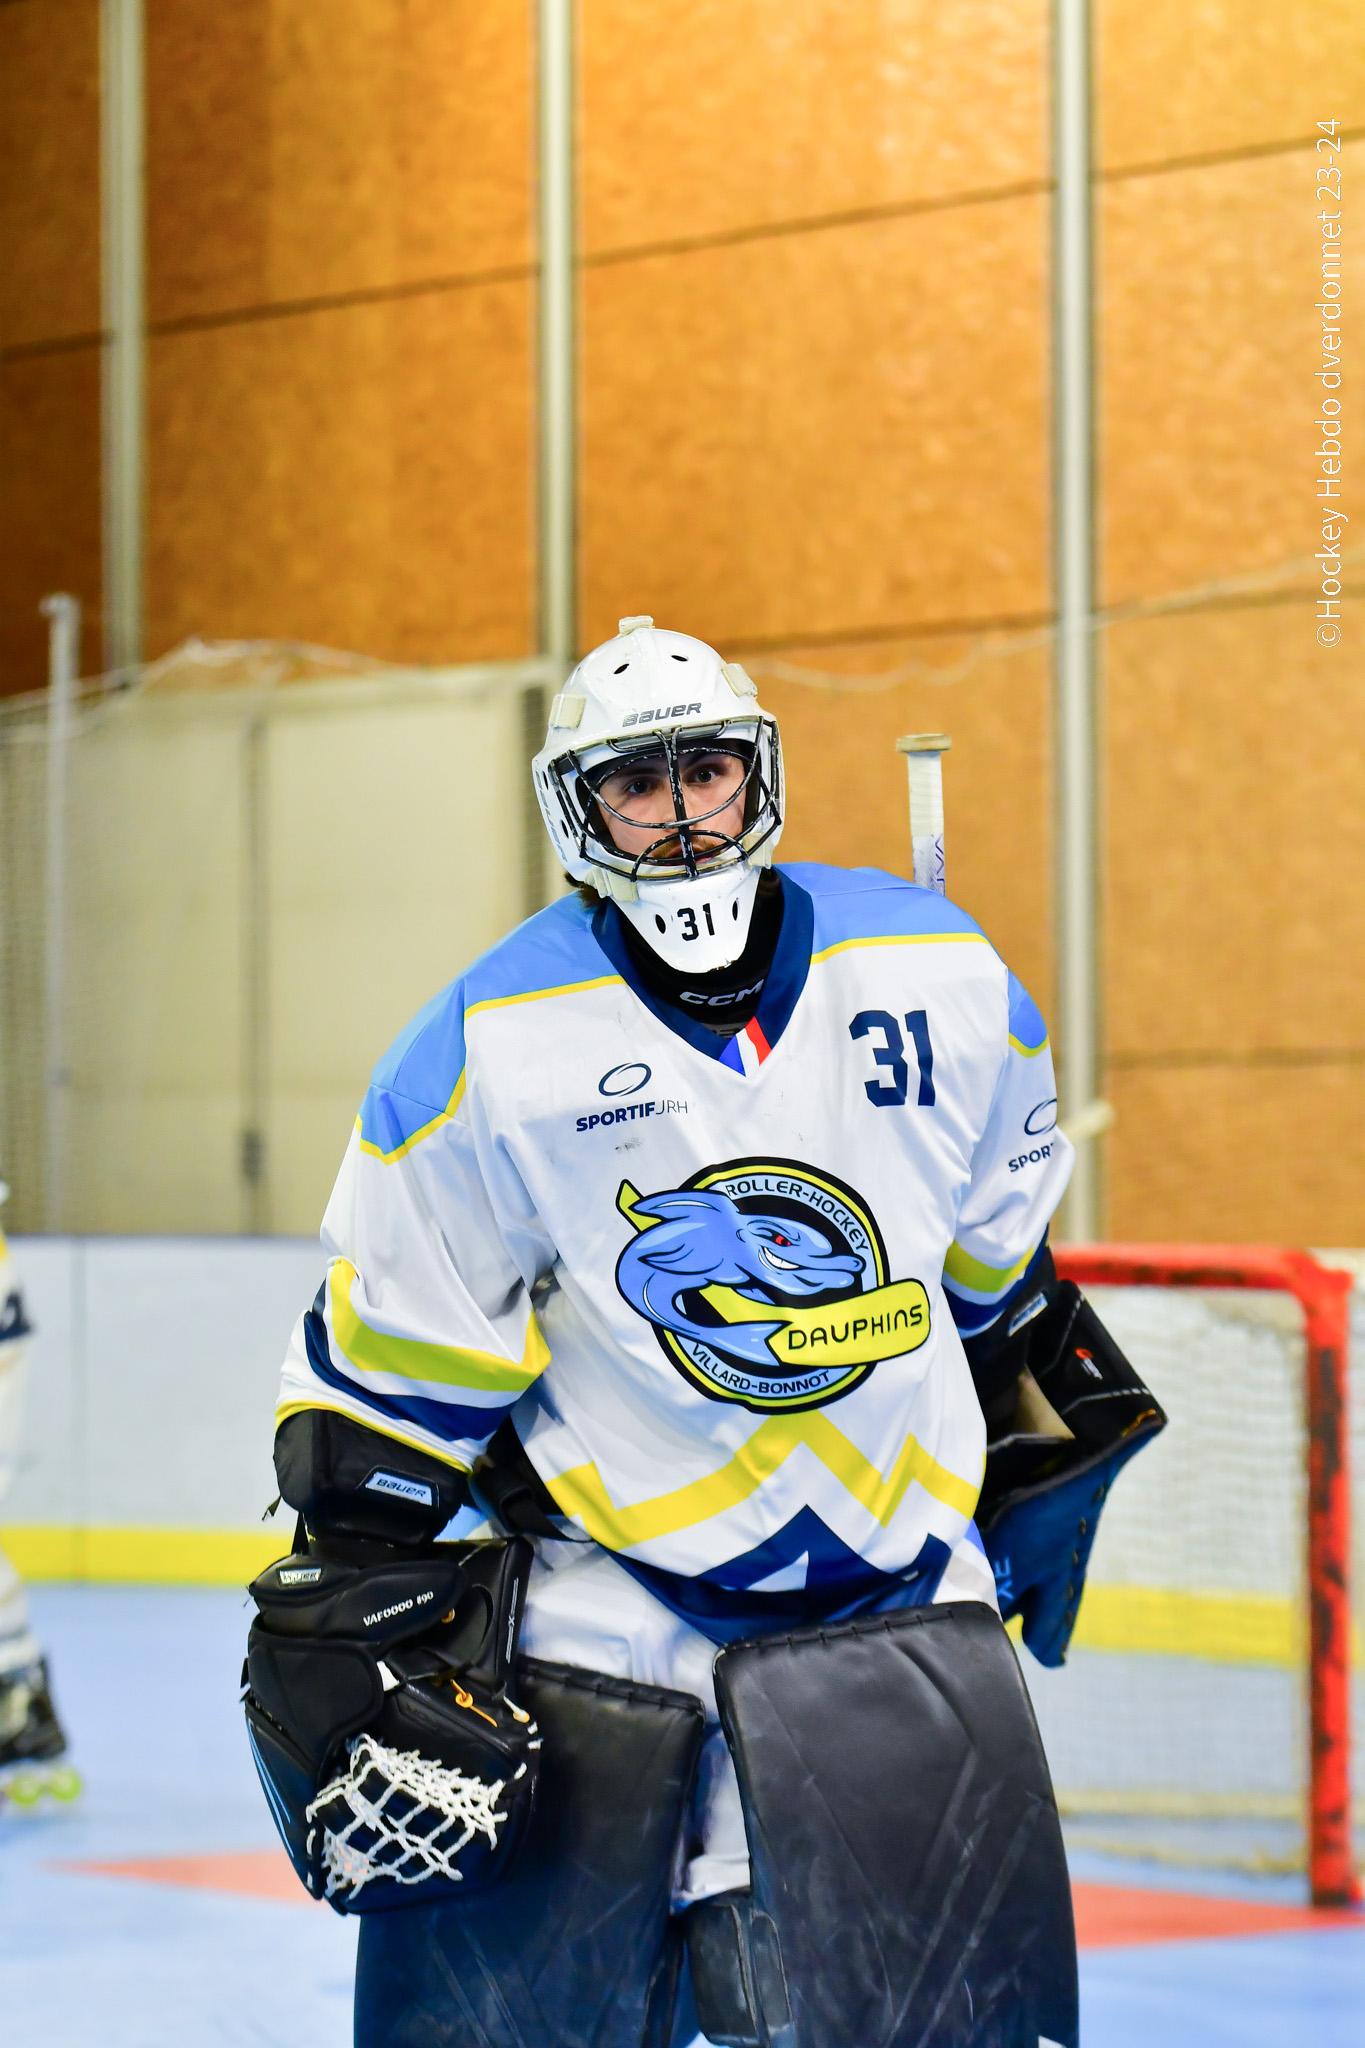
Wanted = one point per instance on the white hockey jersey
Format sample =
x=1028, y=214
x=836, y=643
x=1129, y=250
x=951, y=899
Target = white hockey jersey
x=718, y=1283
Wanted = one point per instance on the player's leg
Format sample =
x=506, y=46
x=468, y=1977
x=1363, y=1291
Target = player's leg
x=19, y=1646
x=718, y=1859
x=898, y=1757
x=32, y=1744
x=541, y=1965
x=584, y=1608
x=577, y=1947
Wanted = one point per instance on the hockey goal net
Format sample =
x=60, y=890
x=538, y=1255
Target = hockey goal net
x=1204, y=1715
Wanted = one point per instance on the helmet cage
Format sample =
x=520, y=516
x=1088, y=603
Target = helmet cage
x=752, y=740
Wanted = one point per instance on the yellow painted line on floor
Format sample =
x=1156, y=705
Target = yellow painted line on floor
x=1141, y=1621
x=1215, y=1628
x=145, y=1557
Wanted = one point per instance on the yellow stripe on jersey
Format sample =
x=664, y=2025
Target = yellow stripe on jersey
x=960, y=1266
x=582, y=1493
x=904, y=939
x=539, y=995
x=375, y=1424
x=409, y=1358
x=1028, y=1052
x=442, y=1116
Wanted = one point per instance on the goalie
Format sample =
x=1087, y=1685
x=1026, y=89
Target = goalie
x=686, y=1235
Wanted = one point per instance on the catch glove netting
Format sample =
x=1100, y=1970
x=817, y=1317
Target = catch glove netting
x=395, y=1765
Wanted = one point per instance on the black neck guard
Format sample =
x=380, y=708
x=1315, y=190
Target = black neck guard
x=726, y=999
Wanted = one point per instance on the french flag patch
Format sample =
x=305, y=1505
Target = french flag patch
x=747, y=1050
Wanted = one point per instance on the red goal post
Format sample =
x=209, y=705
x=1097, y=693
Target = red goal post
x=1323, y=1294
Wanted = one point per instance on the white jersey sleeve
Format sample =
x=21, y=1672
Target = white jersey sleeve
x=1020, y=1168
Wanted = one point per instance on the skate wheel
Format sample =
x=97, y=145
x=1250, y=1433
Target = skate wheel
x=26, y=1789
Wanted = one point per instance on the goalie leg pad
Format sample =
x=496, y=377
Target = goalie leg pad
x=909, y=1884
x=575, y=1948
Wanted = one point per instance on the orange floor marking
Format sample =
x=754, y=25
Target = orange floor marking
x=244, y=1873
x=1107, y=1915
x=1119, y=1916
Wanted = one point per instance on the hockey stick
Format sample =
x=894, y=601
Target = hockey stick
x=924, y=753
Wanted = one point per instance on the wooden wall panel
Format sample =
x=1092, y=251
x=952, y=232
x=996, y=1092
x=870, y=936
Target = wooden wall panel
x=702, y=119
x=821, y=433
x=49, y=170
x=847, y=784
x=359, y=476
x=1239, y=1154
x=1208, y=344
x=296, y=151
x=1176, y=82
x=49, y=504
x=1235, y=918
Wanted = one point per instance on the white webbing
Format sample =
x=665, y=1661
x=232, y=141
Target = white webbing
x=396, y=1814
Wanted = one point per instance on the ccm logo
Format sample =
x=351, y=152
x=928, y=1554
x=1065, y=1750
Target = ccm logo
x=1032, y=1158
x=660, y=711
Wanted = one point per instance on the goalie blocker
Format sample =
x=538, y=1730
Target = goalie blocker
x=1065, y=1411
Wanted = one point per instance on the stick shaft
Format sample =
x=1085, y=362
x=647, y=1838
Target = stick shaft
x=924, y=765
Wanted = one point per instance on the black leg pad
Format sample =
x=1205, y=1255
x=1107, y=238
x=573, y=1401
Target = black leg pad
x=575, y=1949
x=910, y=1888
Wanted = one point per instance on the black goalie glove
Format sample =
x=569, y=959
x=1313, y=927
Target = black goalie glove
x=395, y=1765
x=1079, y=1413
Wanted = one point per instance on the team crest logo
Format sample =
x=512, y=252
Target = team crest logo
x=766, y=1284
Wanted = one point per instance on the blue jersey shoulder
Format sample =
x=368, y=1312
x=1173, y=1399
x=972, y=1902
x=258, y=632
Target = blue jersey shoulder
x=870, y=903
x=1028, y=1032
x=554, y=947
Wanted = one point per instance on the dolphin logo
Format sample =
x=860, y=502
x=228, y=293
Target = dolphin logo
x=766, y=1283
x=698, y=1238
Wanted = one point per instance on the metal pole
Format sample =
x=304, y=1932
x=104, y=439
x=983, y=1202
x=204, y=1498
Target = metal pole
x=63, y=614
x=556, y=423
x=124, y=357
x=1077, y=844
x=255, y=1016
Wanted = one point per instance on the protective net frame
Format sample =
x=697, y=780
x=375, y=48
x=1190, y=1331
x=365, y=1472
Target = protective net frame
x=398, y=1815
x=1323, y=1295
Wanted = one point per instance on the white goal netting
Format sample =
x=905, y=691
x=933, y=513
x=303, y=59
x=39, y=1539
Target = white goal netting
x=1179, y=1728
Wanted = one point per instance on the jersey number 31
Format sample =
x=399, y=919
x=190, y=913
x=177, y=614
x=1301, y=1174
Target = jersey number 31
x=890, y=1053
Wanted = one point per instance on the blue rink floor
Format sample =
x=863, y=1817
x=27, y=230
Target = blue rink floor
x=160, y=1913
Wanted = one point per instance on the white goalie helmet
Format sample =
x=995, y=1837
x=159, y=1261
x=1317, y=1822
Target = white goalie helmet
x=648, y=727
